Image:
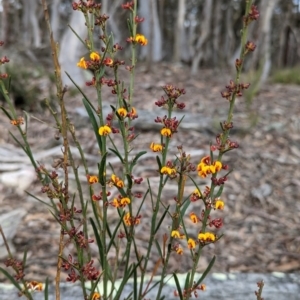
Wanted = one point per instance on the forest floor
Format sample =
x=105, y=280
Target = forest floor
x=262, y=207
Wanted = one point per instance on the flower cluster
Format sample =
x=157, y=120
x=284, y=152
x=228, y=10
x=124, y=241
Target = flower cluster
x=234, y=89
x=252, y=15
x=86, y=6
x=93, y=63
x=116, y=181
x=138, y=39
x=131, y=221
x=156, y=147
x=205, y=167
x=206, y=237
x=17, y=122
x=120, y=201
x=173, y=93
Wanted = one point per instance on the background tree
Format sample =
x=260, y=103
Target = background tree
x=201, y=33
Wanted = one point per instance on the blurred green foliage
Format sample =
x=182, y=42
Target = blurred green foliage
x=286, y=76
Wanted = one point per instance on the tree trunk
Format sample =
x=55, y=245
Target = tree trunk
x=71, y=49
x=31, y=28
x=179, y=36
x=55, y=19
x=205, y=33
x=112, y=23
x=217, y=43
x=4, y=22
x=157, y=36
x=262, y=56
x=151, y=29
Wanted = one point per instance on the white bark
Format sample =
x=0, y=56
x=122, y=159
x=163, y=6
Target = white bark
x=31, y=28
x=262, y=54
x=55, y=18
x=151, y=29
x=205, y=33
x=71, y=49
x=157, y=38
x=179, y=36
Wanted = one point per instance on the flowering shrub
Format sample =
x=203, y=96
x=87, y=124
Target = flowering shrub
x=116, y=190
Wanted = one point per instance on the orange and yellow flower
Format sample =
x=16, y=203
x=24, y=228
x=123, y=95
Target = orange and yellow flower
x=205, y=167
x=108, y=61
x=166, y=132
x=82, y=63
x=156, y=147
x=219, y=204
x=104, y=130
x=127, y=219
x=122, y=112
x=168, y=171
x=124, y=201
x=177, y=235
x=179, y=250
x=34, y=286
x=92, y=179
x=17, y=122
x=120, y=202
x=206, y=237
x=94, y=56
x=194, y=218
x=117, y=181
x=141, y=39
x=191, y=243
x=96, y=296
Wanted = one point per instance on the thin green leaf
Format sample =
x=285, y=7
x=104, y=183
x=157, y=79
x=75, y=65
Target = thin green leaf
x=135, y=285
x=46, y=291
x=158, y=248
x=158, y=162
x=99, y=243
x=6, y=112
x=197, y=187
x=153, y=286
x=142, y=202
x=94, y=285
x=219, y=193
x=211, y=154
x=134, y=161
x=161, y=219
x=81, y=92
x=132, y=268
x=93, y=121
x=36, y=198
x=101, y=72
x=26, y=120
x=125, y=102
x=151, y=195
x=129, y=297
x=11, y=279
x=206, y=271
x=117, y=153
x=129, y=27
x=80, y=39
x=9, y=84
x=112, y=242
x=129, y=182
x=187, y=281
x=101, y=168
x=184, y=208
x=178, y=286
x=18, y=142
x=24, y=258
